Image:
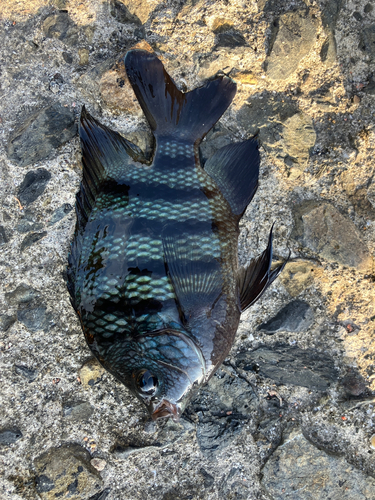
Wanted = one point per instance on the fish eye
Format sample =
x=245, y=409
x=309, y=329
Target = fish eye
x=147, y=383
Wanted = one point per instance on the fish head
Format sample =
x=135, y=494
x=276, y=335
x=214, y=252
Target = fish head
x=165, y=371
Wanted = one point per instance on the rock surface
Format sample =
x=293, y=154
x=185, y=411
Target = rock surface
x=292, y=406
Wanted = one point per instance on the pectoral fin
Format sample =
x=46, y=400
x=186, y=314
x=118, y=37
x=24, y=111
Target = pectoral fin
x=254, y=280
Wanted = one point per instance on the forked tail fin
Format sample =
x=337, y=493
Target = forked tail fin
x=169, y=111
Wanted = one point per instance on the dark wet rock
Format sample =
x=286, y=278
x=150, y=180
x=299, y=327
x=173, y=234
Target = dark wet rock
x=101, y=495
x=122, y=14
x=9, y=436
x=3, y=237
x=21, y=295
x=291, y=365
x=77, y=410
x=234, y=39
x=66, y=472
x=323, y=230
x=294, y=39
x=34, y=318
x=336, y=479
x=60, y=213
x=6, y=321
x=33, y=185
x=367, y=43
x=207, y=478
x=67, y=57
x=265, y=113
x=28, y=373
x=223, y=408
x=297, y=316
x=62, y=27
x=31, y=238
x=40, y=134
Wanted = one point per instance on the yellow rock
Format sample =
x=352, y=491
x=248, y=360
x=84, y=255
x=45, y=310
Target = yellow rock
x=297, y=276
x=372, y=441
x=90, y=373
x=83, y=56
x=245, y=78
x=20, y=9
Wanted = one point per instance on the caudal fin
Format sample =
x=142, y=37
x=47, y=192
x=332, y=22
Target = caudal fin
x=170, y=112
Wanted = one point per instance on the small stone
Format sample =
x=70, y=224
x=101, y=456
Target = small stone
x=208, y=479
x=77, y=410
x=328, y=52
x=299, y=137
x=6, y=321
x=322, y=229
x=297, y=316
x=36, y=137
x=60, y=213
x=356, y=99
x=34, y=318
x=66, y=472
x=245, y=78
x=337, y=479
x=9, y=436
x=3, y=236
x=354, y=384
x=26, y=372
x=122, y=14
x=295, y=38
x=31, y=238
x=33, y=185
x=221, y=24
x=297, y=276
x=91, y=373
x=62, y=27
x=21, y=295
x=83, y=55
x=67, y=57
x=234, y=39
x=372, y=441
x=98, y=463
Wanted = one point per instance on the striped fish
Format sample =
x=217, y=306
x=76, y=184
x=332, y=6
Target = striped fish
x=153, y=271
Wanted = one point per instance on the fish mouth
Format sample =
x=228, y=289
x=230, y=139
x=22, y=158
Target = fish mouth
x=165, y=409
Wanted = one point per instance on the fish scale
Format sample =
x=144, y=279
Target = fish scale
x=153, y=270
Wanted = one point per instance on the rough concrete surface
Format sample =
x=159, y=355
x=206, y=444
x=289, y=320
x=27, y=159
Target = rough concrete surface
x=290, y=414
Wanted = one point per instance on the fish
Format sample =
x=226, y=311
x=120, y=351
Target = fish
x=153, y=269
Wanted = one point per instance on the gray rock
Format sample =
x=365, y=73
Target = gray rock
x=77, y=410
x=295, y=38
x=291, y=365
x=30, y=239
x=297, y=316
x=230, y=39
x=62, y=27
x=323, y=230
x=330, y=13
x=26, y=372
x=9, y=436
x=318, y=476
x=38, y=136
x=60, y=213
x=3, y=237
x=6, y=321
x=66, y=472
x=122, y=14
x=21, y=295
x=367, y=43
x=33, y=185
x=34, y=318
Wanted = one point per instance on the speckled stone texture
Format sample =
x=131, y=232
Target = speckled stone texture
x=290, y=412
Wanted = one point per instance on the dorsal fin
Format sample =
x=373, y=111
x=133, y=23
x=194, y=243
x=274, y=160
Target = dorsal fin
x=170, y=112
x=235, y=169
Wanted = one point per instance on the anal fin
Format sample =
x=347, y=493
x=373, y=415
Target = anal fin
x=254, y=280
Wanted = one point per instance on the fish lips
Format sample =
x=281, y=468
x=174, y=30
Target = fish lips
x=165, y=409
